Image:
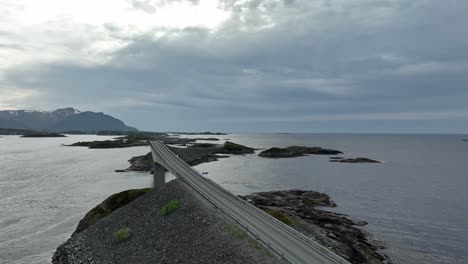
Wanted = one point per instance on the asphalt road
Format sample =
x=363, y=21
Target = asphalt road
x=283, y=240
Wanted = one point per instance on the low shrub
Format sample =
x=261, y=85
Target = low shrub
x=122, y=234
x=170, y=207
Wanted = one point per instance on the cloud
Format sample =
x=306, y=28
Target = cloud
x=259, y=60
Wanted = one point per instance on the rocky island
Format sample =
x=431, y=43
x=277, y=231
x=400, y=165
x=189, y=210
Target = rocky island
x=296, y=151
x=138, y=139
x=193, y=155
x=42, y=135
x=353, y=160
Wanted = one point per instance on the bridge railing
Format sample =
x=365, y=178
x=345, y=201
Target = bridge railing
x=169, y=165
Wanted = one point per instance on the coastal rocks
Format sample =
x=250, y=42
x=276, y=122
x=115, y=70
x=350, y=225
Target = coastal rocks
x=207, y=139
x=203, y=145
x=235, y=149
x=296, y=151
x=196, y=233
x=133, y=140
x=193, y=155
x=108, y=206
x=335, y=231
x=105, y=144
x=42, y=135
x=73, y=251
x=141, y=163
x=354, y=160
x=206, y=152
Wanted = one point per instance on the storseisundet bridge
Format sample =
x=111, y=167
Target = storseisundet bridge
x=281, y=239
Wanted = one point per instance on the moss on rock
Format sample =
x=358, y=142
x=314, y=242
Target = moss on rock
x=109, y=205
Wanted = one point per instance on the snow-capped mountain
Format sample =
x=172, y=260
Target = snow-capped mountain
x=66, y=119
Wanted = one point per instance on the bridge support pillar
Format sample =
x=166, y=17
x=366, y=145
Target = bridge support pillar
x=159, y=175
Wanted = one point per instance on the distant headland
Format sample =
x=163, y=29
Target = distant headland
x=61, y=120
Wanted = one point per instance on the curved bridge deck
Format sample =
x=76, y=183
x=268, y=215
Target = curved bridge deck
x=283, y=240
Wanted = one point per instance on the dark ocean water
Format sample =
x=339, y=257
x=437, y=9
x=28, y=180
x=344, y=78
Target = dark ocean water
x=416, y=201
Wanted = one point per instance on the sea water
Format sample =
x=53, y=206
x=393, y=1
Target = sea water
x=416, y=201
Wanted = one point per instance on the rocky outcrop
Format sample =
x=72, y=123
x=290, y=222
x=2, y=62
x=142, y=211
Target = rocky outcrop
x=335, y=231
x=42, y=135
x=108, y=206
x=105, y=144
x=354, y=160
x=236, y=149
x=134, y=140
x=141, y=163
x=207, y=139
x=195, y=154
x=296, y=151
x=196, y=232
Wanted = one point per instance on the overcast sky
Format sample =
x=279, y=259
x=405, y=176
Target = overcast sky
x=242, y=65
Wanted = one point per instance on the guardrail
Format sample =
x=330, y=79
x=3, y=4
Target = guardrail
x=196, y=181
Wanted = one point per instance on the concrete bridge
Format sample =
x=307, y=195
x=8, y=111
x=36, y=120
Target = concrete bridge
x=281, y=239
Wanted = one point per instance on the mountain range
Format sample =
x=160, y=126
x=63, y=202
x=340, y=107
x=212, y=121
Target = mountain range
x=66, y=119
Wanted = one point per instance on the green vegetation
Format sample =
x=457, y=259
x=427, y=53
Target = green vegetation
x=239, y=233
x=122, y=234
x=280, y=216
x=236, y=231
x=170, y=207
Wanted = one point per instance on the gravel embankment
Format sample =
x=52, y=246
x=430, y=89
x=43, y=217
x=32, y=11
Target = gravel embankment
x=195, y=233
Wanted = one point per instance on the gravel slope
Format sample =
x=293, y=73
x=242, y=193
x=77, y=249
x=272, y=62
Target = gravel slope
x=195, y=233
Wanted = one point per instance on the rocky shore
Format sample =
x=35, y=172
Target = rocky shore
x=193, y=155
x=204, y=233
x=42, y=135
x=197, y=232
x=138, y=139
x=296, y=151
x=353, y=160
x=134, y=140
x=337, y=232
x=142, y=232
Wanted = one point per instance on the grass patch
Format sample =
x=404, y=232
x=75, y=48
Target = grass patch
x=170, y=207
x=280, y=216
x=240, y=233
x=122, y=234
x=236, y=232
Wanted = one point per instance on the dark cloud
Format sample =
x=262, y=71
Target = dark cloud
x=283, y=66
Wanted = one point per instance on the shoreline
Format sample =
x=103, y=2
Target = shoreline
x=338, y=232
